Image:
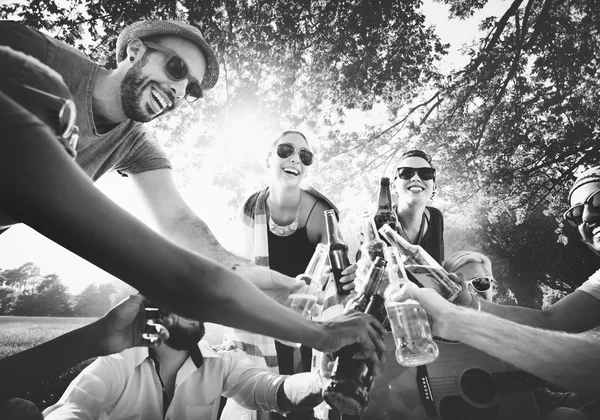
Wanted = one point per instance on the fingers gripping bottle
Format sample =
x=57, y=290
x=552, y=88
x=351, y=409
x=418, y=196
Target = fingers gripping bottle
x=420, y=267
x=351, y=379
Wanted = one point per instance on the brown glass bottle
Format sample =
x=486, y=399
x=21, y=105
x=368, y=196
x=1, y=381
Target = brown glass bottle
x=351, y=379
x=385, y=213
x=338, y=251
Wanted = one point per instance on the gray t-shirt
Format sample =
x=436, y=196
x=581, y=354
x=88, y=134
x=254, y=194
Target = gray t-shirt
x=128, y=148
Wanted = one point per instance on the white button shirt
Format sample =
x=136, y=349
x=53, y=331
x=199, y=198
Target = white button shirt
x=126, y=386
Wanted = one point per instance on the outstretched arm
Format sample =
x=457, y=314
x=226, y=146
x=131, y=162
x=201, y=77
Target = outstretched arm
x=42, y=187
x=568, y=360
x=576, y=312
x=119, y=329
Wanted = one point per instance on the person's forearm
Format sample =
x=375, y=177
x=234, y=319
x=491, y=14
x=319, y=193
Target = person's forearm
x=567, y=360
x=55, y=197
x=191, y=232
x=518, y=314
x=29, y=367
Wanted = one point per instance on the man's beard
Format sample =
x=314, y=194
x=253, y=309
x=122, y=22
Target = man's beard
x=184, y=338
x=131, y=92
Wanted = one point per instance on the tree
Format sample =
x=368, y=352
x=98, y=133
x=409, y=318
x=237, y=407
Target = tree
x=94, y=300
x=52, y=298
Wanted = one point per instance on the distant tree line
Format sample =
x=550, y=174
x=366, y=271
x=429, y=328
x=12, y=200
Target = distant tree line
x=25, y=292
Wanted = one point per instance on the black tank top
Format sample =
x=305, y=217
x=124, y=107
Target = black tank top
x=290, y=255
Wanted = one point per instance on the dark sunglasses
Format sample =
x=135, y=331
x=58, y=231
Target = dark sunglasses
x=425, y=174
x=62, y=111
x=285, y=150
x=574, y=214
x=177, y=70
x=481, y=284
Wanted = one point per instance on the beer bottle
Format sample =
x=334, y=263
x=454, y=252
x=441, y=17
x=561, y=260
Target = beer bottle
x=420, y=267
x=373, y=246
x=351, y=379
x=338, y=251
x=385, y=213
x=303, y=303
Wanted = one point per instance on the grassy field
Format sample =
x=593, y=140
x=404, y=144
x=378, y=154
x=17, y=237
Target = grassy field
x=20, y=333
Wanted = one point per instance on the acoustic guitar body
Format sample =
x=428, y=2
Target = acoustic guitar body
x=462, y=384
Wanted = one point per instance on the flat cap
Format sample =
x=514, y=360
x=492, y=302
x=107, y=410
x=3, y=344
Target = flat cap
x=147, y=28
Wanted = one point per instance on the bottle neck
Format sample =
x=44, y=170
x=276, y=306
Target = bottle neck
x=385, y=197
x=333, y=233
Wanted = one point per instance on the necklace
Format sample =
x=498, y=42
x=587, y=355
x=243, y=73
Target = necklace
x=284, y=230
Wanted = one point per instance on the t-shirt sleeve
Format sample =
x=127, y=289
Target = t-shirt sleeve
x=592, y=285
x=145, y=155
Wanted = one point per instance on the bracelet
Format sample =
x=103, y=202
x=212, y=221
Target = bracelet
x=474, y=296
x=235, y=266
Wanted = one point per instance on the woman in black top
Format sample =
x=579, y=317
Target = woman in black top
x=418, y=223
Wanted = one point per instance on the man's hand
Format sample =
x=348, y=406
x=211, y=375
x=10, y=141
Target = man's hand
x=123, y=325
x=276, y=285
x=439, y=309
x=355, y=328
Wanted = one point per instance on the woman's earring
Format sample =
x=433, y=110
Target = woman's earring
x=131, y=59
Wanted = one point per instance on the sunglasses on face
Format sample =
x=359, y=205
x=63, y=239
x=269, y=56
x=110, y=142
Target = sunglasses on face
x=61, y=111
x=481, y=284
x=285, y=150
x=575, y=214
x=177, y=70
x=425, y=174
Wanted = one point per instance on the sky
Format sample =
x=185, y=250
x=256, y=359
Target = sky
x=21, y=244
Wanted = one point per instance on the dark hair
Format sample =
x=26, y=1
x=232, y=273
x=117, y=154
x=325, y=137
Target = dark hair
x=416, y=153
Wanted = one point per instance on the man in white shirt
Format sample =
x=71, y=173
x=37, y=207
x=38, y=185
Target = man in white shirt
x=184, y=378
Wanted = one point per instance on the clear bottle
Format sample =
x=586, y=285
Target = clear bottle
x=338, y=252
x=351, y=379
x=385, y=213
x=420, y=267
x=408, y=320
x=373, y=246
x=303, y=303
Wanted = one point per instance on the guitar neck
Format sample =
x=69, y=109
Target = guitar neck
x=517, y=381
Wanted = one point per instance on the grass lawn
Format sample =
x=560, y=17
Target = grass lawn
x=20, y=333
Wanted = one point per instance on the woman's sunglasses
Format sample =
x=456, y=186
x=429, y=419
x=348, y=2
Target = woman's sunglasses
x=285, y=150
x=177, y=70
x=574, y=214
x=425, y=174
x=481, y=284
x=62, y=111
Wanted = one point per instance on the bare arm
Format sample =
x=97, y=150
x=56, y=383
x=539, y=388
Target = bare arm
x=175, y=218
x=576, y=312
x=52, y=195
x=119, y=329
x=567, y=360
x=177, y=222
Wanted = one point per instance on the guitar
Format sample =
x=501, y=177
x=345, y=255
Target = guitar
x=463, y=383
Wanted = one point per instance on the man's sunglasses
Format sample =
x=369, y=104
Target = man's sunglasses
x=62, y=111
x=574, y=214
x=285, y=150
x=177, y=70
x=425, y=174
x=481, y=284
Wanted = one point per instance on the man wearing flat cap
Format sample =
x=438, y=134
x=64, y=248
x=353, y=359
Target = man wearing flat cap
x=161, y=65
